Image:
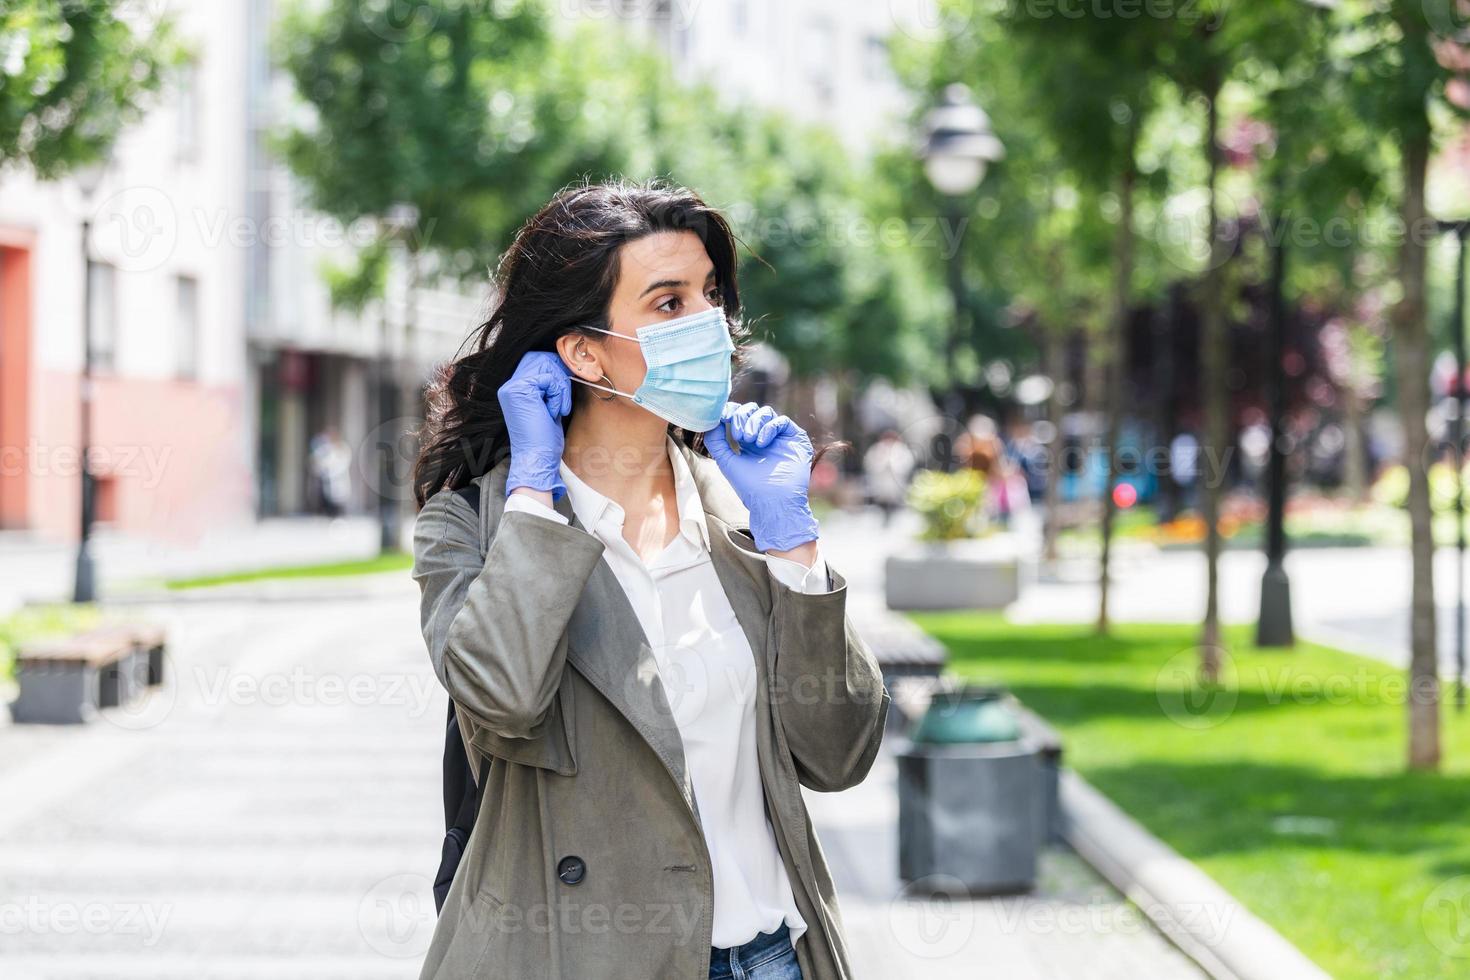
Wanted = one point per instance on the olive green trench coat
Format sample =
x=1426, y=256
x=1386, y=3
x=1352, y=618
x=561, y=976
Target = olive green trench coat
x=587, y=860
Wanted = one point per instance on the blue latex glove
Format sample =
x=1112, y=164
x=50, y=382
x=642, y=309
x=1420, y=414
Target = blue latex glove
x=533, y=401
x=770, y=473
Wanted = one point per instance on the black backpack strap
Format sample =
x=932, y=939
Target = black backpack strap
x=462, y=794
x=471, y=494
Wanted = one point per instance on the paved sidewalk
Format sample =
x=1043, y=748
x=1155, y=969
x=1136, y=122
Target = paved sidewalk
x=33, y=570
x=1073, y=926
x=1353, y=598
x=275, y=813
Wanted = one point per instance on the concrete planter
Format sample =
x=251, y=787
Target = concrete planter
x=980, y=573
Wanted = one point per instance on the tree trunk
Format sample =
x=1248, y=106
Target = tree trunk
x=1118, y=369
x=1214, y=364
x=1411, y=355
x=1162, y=348
x=410, y=400
x=1355, y=458
x=1056, y=367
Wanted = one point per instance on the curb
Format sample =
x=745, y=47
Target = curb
x=376, y=585
x=1204, y=920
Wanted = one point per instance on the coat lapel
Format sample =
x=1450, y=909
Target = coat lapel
x=607, y=645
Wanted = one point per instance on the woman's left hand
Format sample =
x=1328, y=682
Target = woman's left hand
x=770, y=473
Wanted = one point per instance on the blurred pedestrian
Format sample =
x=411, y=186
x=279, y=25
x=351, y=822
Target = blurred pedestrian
x=888, y=464
x=979, y=447
x=331, y=464
x=1184, y=467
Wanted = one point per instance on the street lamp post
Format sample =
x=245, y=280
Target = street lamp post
x=958, y=147
x=1273, y=629
x=1460, y=229
x=88, y=179
x=402, y=219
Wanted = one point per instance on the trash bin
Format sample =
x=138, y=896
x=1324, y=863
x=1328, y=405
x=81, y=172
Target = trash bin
x=969, y=810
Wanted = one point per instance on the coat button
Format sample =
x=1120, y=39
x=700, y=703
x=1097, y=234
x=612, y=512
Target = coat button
x=571, y=869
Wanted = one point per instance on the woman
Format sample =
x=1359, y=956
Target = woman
x=649, y=648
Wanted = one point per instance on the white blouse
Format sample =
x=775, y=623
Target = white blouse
x=708, y=673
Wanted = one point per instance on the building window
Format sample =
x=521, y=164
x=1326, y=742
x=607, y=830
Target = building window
x=187, y=137
x=821, y=56
x=102, y=316
x=875, y=58
x=186, y=328
x=104, y=501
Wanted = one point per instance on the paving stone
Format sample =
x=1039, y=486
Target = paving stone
x=275, y=813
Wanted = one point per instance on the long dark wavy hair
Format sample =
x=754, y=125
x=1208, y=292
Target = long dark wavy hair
x=557, y=277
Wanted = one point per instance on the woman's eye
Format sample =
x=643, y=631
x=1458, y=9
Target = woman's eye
x=669, y=305
x=714, y=297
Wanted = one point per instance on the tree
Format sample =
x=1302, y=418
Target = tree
x=437, y=119
x=1399, y=78
x=75, y=74
x=1103, y=66
x=483, y=110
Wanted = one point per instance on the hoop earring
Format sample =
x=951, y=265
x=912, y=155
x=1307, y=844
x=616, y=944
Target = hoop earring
x=607, y=397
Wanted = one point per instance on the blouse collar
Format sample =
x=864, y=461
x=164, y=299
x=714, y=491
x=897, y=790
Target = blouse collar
x=593, y=507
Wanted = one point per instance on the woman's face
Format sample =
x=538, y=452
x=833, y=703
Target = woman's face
x=660, y=277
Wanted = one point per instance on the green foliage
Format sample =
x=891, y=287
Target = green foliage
x=1392, y=487
x=73, y=74
x=484, y=110
x=948, y=503
x=355, y=284
x=1313, y=103
x=394, y=113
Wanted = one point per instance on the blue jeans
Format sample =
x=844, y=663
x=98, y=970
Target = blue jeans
x=769, y=956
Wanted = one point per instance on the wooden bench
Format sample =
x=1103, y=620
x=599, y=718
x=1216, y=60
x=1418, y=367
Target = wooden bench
x=65, y=680
x=148, y=638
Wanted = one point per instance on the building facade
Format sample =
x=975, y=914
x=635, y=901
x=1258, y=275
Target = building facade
x=216, y=355
x=170, y=399
x=821, y=61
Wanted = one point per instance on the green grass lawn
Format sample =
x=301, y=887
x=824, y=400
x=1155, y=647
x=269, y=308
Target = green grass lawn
x=393, y=562
x=1287, y=785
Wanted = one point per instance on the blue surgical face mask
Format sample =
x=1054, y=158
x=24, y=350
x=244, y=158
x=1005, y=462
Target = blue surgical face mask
x=688, y=379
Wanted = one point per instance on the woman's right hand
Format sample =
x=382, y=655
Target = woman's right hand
x=533, y=401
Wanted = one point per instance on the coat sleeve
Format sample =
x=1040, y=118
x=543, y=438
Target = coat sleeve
x=831, y=698
x=496, y=628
